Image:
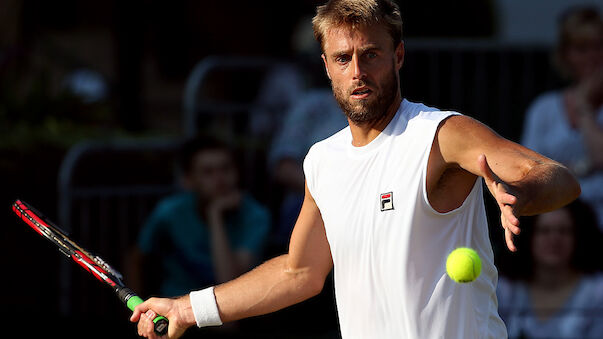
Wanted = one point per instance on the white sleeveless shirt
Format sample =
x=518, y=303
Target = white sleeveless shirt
x=389, y=246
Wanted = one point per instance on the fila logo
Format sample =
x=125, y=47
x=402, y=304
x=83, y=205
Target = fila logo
x=387, y=201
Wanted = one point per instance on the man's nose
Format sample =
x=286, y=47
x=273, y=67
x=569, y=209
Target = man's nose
x=358, y=68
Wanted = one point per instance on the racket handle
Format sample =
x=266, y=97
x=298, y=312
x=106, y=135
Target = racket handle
x=132, y=300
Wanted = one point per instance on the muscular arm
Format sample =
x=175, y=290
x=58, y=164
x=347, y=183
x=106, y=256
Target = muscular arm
x=276, y=284
x=522, y=181
x=284, y=280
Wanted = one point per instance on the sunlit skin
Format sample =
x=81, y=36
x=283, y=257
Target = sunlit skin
x=363, y=67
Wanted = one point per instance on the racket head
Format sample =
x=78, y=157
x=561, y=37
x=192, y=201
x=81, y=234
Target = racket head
x=94, y=264
x=91, y=263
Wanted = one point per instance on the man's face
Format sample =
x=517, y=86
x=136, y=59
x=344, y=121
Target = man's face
x=212, y=174
x=363, y=66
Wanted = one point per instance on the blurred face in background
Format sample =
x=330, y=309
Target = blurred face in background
x=580, y=49
x=212, y=173
x=553, y=242
x=584, y=55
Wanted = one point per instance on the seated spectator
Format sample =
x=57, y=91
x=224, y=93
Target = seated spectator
x=209, y=234
x=552, y=288
x=567, y=125
x=315, y=116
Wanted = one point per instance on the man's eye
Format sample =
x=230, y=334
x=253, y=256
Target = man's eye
x=371, y=55
x=342, y=59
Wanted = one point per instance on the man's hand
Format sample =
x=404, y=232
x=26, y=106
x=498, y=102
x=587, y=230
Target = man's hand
x=177, y=310
x=589, y=94
x=506, y=197
x=522, y=181
x=228, y=263
x=223, y=203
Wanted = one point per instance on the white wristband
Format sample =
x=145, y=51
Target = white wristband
x=205, y=307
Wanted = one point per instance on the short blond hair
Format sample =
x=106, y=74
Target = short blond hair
x=357, y=13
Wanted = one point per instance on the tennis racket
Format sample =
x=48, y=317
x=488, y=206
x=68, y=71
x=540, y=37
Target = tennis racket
x=91, y=263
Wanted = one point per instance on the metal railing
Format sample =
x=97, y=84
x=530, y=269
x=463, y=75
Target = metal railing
x=106, y=217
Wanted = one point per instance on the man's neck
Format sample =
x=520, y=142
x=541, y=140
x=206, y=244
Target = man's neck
x=364, y=133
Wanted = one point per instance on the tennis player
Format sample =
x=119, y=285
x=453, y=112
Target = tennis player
x=386, y=199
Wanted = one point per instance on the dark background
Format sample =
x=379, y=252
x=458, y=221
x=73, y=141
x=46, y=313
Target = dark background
x=144, y=51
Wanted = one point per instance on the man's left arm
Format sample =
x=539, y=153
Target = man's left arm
x=522, y=181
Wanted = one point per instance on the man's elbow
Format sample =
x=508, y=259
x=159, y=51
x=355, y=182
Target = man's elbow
x=307, y=282
x=571, y=188
x=315, y=286
x=311, y=285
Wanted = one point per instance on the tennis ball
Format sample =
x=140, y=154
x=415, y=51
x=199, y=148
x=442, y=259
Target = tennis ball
x=463, y=265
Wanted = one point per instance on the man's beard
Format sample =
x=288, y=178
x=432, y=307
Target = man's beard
x=364, y=110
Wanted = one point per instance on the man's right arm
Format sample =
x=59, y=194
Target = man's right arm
x=276, y=284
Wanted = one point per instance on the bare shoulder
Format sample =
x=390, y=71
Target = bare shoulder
x=461, y=139
x=461, y=128
x=447, y=182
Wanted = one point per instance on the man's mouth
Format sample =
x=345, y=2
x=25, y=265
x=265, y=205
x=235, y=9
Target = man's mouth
x=361, y=92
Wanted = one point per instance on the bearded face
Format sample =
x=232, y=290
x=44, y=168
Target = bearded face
x=363, y=64
x=365, y=101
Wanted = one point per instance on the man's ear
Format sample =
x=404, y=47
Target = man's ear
x=400, y=55
x=324, y=59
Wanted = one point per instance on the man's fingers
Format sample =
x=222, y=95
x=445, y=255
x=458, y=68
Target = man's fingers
x=146, y=327
x=510, y=223
x=149, y=325
x=513, y=221
x=144, y=316
x=506, y=198
x=143, y=325
x=509, y=240
x=138, y=310
x=485, y=169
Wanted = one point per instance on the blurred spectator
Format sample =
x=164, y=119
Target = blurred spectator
x=315, y=116
x=276, y=94
x=312, y=114
x=567, y=125
x=553, y=287
x=210, y=234
x=283, y=83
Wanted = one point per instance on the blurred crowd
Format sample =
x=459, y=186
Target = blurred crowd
x=553, y=288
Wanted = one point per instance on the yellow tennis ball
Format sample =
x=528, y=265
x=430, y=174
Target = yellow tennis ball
x=463, y=265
